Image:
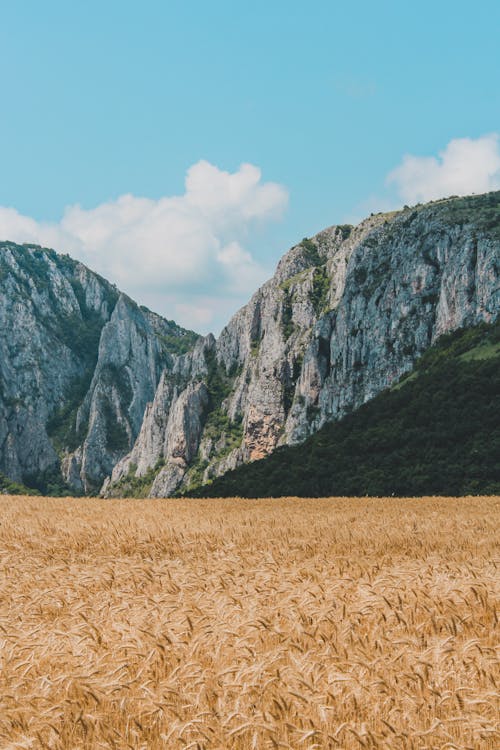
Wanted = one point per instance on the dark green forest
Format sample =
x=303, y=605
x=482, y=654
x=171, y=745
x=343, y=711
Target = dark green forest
x=436, y=432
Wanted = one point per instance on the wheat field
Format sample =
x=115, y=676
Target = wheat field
x=332, y=623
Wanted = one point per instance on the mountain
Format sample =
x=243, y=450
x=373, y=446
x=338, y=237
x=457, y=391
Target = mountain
x=435, y=432
x=346, y=315
x=99, y=394
x=79, y=362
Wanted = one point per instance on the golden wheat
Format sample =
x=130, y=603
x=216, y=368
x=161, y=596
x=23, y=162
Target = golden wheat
x=342, y=623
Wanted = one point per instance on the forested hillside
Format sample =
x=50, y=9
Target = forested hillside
x=436, y=432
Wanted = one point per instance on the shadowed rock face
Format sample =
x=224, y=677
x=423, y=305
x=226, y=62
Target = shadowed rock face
x=346, y=314
x=78, y=364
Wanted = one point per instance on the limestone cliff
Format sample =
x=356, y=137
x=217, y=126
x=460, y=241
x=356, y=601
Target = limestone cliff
x=78, y=363
x=346, y=314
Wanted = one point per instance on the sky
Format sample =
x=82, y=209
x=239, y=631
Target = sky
x=180, y=148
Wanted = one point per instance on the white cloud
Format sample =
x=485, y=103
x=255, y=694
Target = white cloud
x=183, y=247
x=465, y=166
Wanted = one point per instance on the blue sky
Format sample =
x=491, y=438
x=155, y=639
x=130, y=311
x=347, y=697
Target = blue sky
x=102, y=100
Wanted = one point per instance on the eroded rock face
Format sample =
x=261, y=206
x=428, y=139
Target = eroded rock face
x=345, y=315
x=78, y=363
x=92, y=386
x=130, y=361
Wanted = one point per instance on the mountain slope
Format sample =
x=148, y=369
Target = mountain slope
x=79, y=361
x=347, y=313
x=436, y=432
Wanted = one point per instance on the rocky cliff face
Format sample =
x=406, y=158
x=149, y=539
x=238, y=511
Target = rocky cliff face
x=78, y=364
x=94, y=388
x=346, y=314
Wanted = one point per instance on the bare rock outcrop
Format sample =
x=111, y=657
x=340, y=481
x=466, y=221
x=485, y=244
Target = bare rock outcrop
x=79, y=362
x=346, y=314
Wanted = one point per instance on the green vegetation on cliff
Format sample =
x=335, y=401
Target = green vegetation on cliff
x=137, y=486
x=8, y=487
x=435, y=432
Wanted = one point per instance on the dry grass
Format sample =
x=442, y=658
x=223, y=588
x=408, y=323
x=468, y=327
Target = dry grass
x=345, y=623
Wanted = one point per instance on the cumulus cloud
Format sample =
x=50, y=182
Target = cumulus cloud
x=177, y=250
x=465, y=166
